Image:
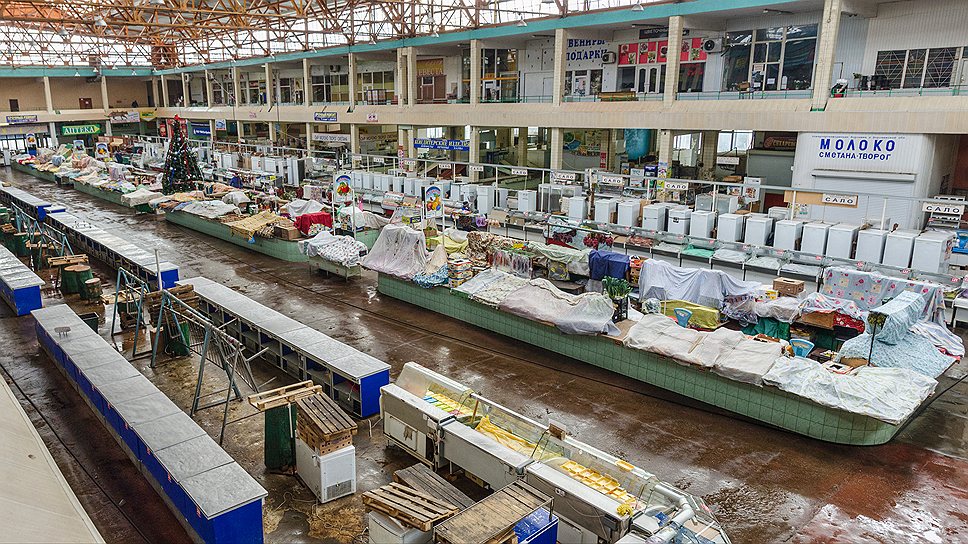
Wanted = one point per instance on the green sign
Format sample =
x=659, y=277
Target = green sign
x=77, y=130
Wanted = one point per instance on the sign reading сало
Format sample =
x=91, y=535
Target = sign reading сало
x=839, y=200
x=80, y=130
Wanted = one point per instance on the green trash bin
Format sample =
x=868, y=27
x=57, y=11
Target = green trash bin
x=179, y=345
x=20, y=245
x=280, y=444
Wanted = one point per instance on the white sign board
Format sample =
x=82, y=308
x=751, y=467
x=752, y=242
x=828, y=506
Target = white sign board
x=519, y=171
x=839, y=200
x=378, y=160
x=331, y=137
x=477, y=168
x=858, y=152
x=563, y=176
x=727, y=161
x=676, y=186
x=945, y=209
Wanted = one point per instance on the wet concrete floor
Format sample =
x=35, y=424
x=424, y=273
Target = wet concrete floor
x=765, y=485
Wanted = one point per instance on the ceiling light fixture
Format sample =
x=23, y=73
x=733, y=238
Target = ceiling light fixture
x=638, y=7
x=77, y=73
x=134, y=72
x=522, y=22
x=768, y=11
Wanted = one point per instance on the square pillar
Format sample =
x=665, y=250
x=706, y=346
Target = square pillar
x=522, y=146
x=560, y=67
x=475, y=72
x=272, y=131
x=709, y=149
x=211, y=132
x=354, y=139
x=237, y=98
x=47, y=98
x=665, y=143
x=399, y=85
x=186, y=91
x=352, y=79
x=307, y=84
x=309, y=137
x=269, y=89
x=156, y=92
x=672, y=59
x=411, y=76
x=474, y=154
x=106, y=103
x=164, y=93
x=52, y=130
x=826, y=50
x=240, y=131
x=209, y=95
x=557, y=140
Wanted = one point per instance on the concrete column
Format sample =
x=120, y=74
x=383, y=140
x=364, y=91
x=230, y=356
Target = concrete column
x=209, y=95
x=211, y=131
x=156, y=92
x=52, y=130
x=309, y=137
x=186, y=91
x=307, y=84
x=164, y=93
x=240, y=130
x=474, y=155
x=672, y=59
x=475, y=72
x=235, y=87
x=354, y=138
x=826, y=50
x=272, y=131
x=665, y=143
x=609, y=149
x=411, y=76
x=269, y=89
x=557, y=140
x=708, y=151
x=47, y=99
x=352, y=79
x=408, y=147
x=399, y=85
x=523, y=146
x=561, y=60
x=106, y=103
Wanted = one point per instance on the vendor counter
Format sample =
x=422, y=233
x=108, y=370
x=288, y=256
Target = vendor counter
x=111, y=196
x=286, y=250
x=766, y=404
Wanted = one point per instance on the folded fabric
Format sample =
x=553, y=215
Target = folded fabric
x=305, y=221
x=887, y=394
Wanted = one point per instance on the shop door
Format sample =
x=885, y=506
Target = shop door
x=14, y=104
x=651, y=78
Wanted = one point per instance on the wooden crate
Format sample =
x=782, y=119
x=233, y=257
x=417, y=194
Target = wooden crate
x=322, y=424
x=407, y=505
x=421, y=478
x=492, y=520
x=284, y=395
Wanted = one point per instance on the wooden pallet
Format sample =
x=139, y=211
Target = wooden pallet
x=421, y=478
x=492, y=520
x=409, y=506
x=322, y=424
x=282, y=396
x=66, y=260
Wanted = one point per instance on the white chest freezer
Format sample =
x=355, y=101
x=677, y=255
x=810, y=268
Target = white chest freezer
x=576, y=207
x=485, y=199
x=815, y=238
x=408, y=186
x=502, y=197
x=654, y=217
x=329, y=476
x=604, y=208
x=398, y=183
x=702, y=223
x=899, y=247
x=870, y=245
x=455, y=189
x=527, y=201
x=932, y=251
x=787, y=234
x=257, y=164
x=468, y=193
x=840, y=240
x=758, y=230
x=730, y=227
x=779, y=213
x=679, y=219
x=384, y=182
x=386, y=530
x=726, y=203
x=628, y=211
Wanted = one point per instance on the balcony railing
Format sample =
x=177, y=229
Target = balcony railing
x=955, y=90
x=746, y=95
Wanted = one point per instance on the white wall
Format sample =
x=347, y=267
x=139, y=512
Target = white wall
x=851, y=47
x=914, y=25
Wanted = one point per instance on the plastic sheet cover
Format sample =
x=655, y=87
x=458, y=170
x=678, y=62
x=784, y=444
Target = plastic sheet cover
x=895, y=346
x=236, y=197
x=209, y=209
x=748, y=361
x=540, y=300
x=301, y=207
x=139, y=197
x=342, y=250
x=399, y=251
x=784, y=309
x=887, y=394
x=817, y=302
x=661, y=280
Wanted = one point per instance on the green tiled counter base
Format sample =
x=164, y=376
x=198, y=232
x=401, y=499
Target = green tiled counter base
x=110, y=196
x=274, y=247
x=766, y=404
x=27, y=169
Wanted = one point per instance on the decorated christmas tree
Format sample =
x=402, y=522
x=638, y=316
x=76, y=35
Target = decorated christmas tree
x=181, y=166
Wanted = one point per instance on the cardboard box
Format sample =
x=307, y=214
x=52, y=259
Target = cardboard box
x=286, y=233
x=818, y=319
x=788, y=287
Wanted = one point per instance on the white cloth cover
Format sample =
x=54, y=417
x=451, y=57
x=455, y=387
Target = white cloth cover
x=714, y=346
x=540, y=300
x=887, y=394
x=237, y=198
x=480, y=281
x=664, y=281
x=208, y=208
x=748, y=361
x=301, y=207
x=139, y=196
x=342, y=250
x=398, y=251
x=784, y=309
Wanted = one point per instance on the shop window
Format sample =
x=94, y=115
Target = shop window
x=798, y=59
x=691, y=76
x=737, y=67
x=914, y=68
x=940, y=67
x=890, y=67
x=626, y=79
x=770, y=59
x=568, y=76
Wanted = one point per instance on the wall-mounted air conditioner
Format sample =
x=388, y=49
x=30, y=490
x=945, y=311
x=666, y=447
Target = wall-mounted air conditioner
x=712, y=45
x=609, y=57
